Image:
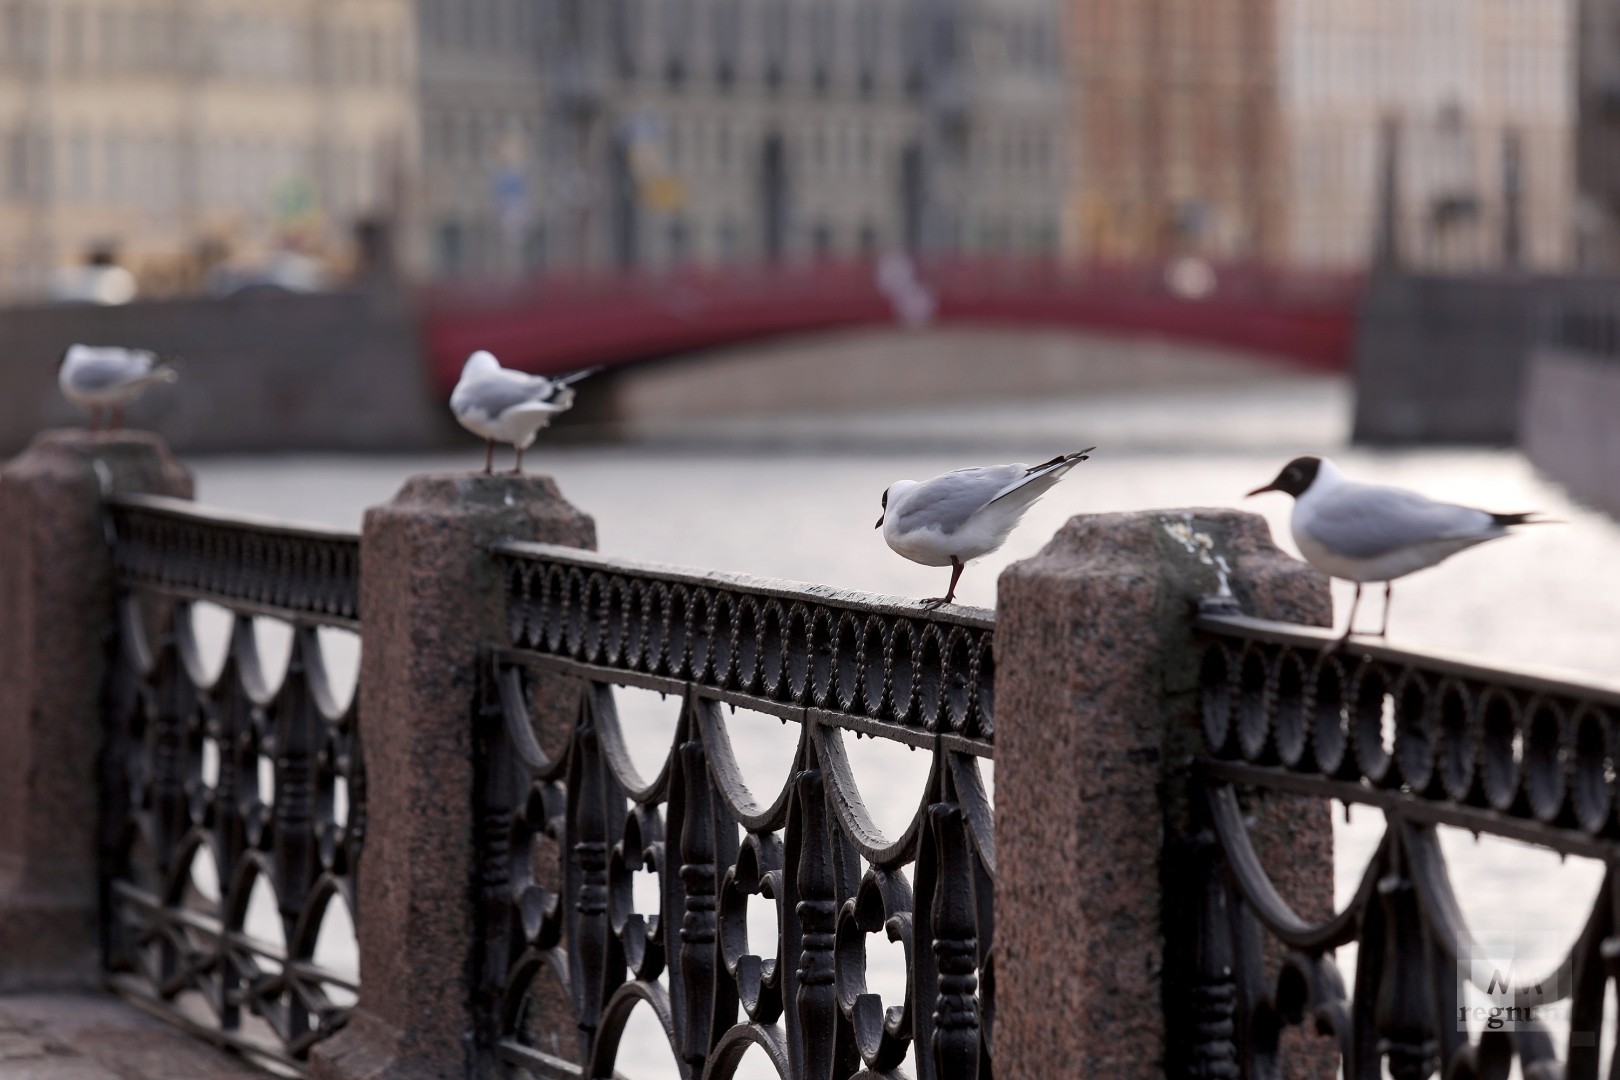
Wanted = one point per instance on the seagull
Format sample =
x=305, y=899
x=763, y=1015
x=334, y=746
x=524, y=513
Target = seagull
x=955, y=518
x=508, y=406
x=1371, y=532
x=98, y=377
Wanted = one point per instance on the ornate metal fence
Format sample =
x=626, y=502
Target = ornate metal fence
x=234, y=805
x=1429, y=741
x=569, y=822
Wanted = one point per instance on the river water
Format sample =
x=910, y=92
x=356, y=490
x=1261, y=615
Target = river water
x=796, y=498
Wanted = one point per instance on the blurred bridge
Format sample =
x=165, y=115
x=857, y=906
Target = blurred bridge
x=557, y=324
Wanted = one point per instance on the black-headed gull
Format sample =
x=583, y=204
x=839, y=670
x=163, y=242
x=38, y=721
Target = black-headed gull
x=508, y=406
x=98, y=377
x=953, y=519
x=1372, y=532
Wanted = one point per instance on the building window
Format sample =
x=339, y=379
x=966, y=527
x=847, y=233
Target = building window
x=725, y=18
x=776, y=41
x=73, y=31
x=729, y=241
x=679, y=241
x=534, y=249
x=452, y=253
x=625, y=27
x=677, y=39
x=822, y=45
x=821, y=239
x=868, y=43
x=80, y=181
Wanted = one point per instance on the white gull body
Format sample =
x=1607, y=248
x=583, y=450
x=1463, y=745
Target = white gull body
x=99, y=377
x=1372, y=532
x=508, y=406
x=955, y=518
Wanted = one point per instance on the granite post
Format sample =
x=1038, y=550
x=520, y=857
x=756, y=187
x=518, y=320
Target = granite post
x=431, y=600
x=56, y=612
x=1096, y=692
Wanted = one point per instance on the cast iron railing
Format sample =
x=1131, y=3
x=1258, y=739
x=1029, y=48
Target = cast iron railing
x=567, y=823
x=1430, y=741
x=234, y=804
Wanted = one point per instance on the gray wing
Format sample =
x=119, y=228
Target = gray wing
x=946, y=502
x=1364, y=521
x=503, y=390
x=103, y=370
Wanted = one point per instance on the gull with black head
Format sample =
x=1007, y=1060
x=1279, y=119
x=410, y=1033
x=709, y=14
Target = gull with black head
x=955, y=518
x=1373, y=532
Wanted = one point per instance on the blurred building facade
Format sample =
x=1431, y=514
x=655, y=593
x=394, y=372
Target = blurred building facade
x=1597, y=147
x=1285, y=131
x=1175, y=129
x=1459, y=115
x=482, y=102
x=176, y=136
x=656, y=133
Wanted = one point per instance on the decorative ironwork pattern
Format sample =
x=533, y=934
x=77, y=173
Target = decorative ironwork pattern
x=234, y=805
x=842, y=654
x=262, y=567
x=569, y=823
x=1430, y=740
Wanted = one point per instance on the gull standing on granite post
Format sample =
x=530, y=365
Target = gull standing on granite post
x=953, y=519
x=97, y=377
x=508, y=406
x=1372, y=532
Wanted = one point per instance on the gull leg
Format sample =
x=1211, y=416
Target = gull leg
x=1383, y=627
x=95, y=417
x=117, y=418
x=950, y=593
x=489, y=457
x=1349, y=627
x=517, y=470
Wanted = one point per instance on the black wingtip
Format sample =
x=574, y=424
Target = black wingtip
x=1061, y=459
x=1530, y=518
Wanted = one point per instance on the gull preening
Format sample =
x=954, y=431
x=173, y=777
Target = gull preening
x=508, y=406
x=1372, y=532
x=953, y=519
x=109, y=377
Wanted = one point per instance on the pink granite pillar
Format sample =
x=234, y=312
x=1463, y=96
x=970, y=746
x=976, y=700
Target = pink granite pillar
x=1096, y=716
x=430, y=601
x=56, y=607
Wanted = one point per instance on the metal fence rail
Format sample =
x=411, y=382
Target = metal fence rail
x=1430, y=740
x=234, y=805
x=299, y=573
x=569, y=822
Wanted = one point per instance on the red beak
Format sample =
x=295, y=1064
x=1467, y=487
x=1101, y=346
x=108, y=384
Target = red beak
x=1260, y=491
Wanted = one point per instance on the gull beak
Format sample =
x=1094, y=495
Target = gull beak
x=879, y=525
x=1261, y=490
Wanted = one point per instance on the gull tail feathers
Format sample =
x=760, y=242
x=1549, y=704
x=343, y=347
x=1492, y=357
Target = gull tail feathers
x=575, y=376
x=1041, y=478
x=1531, y=517
x=1069, y=460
